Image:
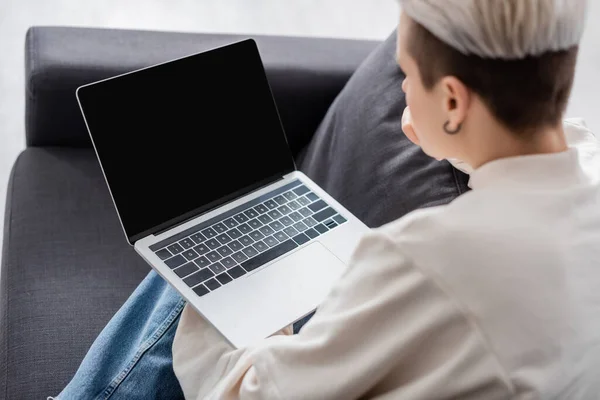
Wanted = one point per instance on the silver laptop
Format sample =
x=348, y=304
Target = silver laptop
x=205, y=186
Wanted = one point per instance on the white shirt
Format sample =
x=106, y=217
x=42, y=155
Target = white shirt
x=494, y=296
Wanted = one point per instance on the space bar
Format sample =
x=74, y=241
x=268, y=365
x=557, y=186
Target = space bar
x=269, y=255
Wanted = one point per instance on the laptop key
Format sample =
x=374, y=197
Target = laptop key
x=301, y=239
x=266, y=230
x=310, y=221
x=202, y=262
x=303, y=201
x=311, y=233
x=276, y=226
x=175, y=262
x=234, y=233
x=163, y=254
x=240, y=257
x=255, y=223
x=213, y=244
x=312, y=197
x=271, y=204
x=269, y=255
x=190, y=254
x=251, y=214
x=198, y=238
x=256, y=235
x=244, y=228
x=289, y=196
x=330, y=224
x=175, y=248
x=224, y=279
x=187, y=243
x=246, y=240
x=287, y=221
x=201, y=290
x=314, y=207
x=209, y=233
x=201, y=249
x=324, y=214
x=235, y=245
x=271, y=241
x=285, y=210
x=261, y=208
x=280, y=200
x=217, y=268
x=213, y=256
x=241, y=218
x=199, y=277
x=212, y=284
x=293, y=205
x=220, y=228
x=274, y=214
x=290, y=231
x=300, y=227
x=223, y=238
x=225, y=251
x=300, y=190
x=321, y=228
x=305, y=212
x=260, y=246
x=281, y=236
x=228, y=262
x=250, y=251
x=236, y=272
x=230, y=223
x=265, y=219
x=186, y=269
x=296, y=216
x=339, y=219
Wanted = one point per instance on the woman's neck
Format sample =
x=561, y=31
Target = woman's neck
x=498, y=142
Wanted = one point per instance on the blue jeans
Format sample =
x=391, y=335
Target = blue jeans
x=131, y=358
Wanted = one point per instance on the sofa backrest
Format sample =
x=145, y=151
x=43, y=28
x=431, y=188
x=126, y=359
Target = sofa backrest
x=306, y=74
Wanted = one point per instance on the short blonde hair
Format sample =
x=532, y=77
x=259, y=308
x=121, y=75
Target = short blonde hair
x=506, y=29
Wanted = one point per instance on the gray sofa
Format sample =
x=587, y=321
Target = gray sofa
x=66, y=266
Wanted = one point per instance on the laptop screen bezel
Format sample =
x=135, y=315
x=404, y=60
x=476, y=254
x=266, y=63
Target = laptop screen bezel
x=173, y=222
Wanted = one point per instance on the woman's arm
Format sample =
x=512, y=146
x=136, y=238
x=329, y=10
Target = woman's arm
x=384, y=328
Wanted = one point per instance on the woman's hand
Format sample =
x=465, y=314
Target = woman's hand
x=408, y=128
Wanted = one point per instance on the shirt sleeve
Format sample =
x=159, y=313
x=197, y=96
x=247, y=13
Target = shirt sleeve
x=384, y=328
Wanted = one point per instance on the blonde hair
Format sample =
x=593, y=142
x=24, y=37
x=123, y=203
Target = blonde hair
x=504, y=29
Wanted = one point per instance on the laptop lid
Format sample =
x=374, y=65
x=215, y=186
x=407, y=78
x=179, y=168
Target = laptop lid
x=180, y=138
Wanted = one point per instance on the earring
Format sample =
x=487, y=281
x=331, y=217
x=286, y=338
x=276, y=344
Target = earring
x=451, y=132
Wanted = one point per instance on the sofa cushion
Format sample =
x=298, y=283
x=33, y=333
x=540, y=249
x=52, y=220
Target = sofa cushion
x=305, y=73
x=361, y=157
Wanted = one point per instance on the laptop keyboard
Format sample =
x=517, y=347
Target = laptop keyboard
x=227, y=247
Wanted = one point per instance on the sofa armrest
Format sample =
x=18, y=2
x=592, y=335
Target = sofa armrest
x=306, y=74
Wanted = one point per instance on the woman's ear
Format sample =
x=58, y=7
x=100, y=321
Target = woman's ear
x=456, y=99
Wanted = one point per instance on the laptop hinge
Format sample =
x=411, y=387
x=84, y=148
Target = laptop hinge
x=221, y=202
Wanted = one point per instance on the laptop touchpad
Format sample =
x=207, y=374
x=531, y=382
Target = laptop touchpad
x=276, y=295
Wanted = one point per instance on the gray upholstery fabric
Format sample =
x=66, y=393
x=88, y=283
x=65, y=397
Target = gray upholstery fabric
x=362, y=158
x=305, y=74
x=67, y=269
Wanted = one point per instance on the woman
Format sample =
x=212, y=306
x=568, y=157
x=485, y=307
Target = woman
x=493, y=296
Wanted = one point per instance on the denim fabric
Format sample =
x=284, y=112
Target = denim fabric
x=131, y=358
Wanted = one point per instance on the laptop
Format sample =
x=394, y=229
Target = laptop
x=206, y=189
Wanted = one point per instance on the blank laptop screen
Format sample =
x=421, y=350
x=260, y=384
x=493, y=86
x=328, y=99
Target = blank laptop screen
x=181, y=137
